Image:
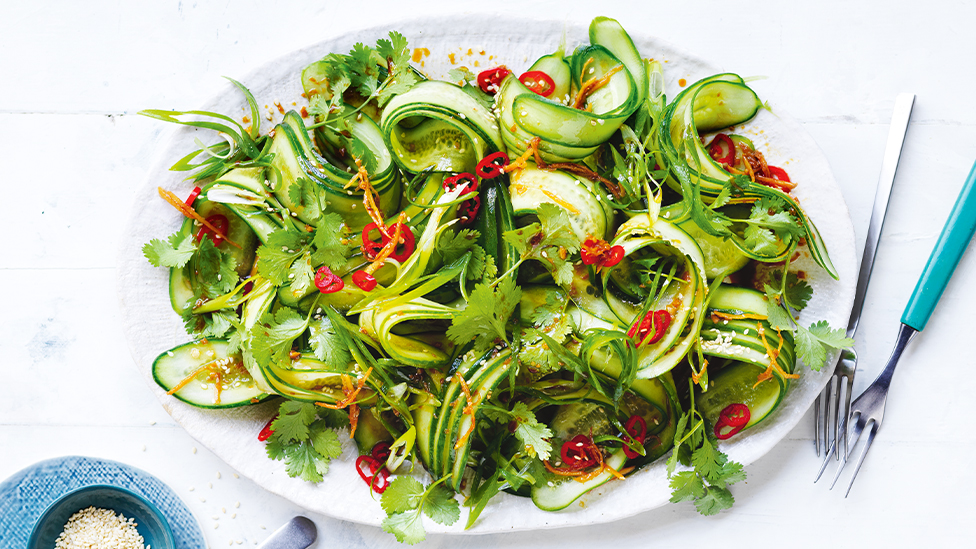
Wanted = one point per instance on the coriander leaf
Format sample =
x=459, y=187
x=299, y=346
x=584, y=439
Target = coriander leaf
x=486, y=314
x=273, y=336
x=811, y=343
x=175, y=252
x=715, y=500
x=731, y=473
x=441, y=506
x=798, y=292
x=217, y=324
x=327, y=345
x=707, y=461
x=836, y=339
x=275, y=449
x=301, y=460
x=723, y=196
x=301, y=275
x=808, y=347
x=325, y=440
x=331, y=242
x=216, y=271
x=533, y=435
x=407, y=527
x=451, y=246
x=275, y=257
x=760, y=240
x=777, y=316
x=550, y=312
x=293, y=420
x=402, y=495
x=333, y=419
x=686, y=486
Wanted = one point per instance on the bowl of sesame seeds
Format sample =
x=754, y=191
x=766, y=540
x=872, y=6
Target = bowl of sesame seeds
x=101, y=516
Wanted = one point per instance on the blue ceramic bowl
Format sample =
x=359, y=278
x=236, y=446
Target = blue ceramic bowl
x=152, y=524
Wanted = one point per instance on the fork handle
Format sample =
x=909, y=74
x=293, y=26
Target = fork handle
x=955, y=237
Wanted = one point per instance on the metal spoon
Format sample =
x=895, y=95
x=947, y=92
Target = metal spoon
x=297, y=533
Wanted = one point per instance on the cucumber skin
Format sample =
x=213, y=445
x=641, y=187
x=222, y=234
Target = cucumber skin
x=160, y=362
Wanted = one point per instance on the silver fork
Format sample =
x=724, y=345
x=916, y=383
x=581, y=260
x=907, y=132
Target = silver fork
x=828, y=412
x=867, y=410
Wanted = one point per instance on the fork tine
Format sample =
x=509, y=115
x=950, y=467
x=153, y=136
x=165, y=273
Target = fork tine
x=816, y=423
x=830, y=451
x=833, y=411
x=848, y=389
x=857, y=428
x=864, y=452
x=823, y=466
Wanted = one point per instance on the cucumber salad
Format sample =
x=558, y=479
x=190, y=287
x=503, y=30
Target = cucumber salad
x=531, y=283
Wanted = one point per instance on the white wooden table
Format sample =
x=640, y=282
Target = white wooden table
x=73, y=73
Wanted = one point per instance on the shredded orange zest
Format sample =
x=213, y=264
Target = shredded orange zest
x=558, y=200
x=348, y=390
x=189, y=378
x=192, y=214
x=520, y=162
x=593, y=84
x=695, y=376
x=387, y=250
x=785, y=186
x=773, y=354
x=726, y=316
x=468, y=410
x=215, y=377
x=580, y=170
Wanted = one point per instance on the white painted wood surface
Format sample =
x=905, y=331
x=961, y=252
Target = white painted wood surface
x=73, y=73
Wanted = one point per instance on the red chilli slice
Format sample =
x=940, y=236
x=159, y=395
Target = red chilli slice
x=779, y=173
x=659, y=320
x=491, y=165
x=193, y=196
x=470, y=183
x=636, y=428
x=722, y=149
x=408, y=245
x=731, y=420
x=218, y=221
x=364, y=280
x=327, y=282
x=579, y=453
x=373, y=473
x=490, y=80
x=735, y=415
x=267, y=431
x=381, y=450
x=539, y=82
x=468, y=210
x=372, y=247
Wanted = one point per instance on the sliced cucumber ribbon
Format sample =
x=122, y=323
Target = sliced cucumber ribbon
x=713, y=103
x=438, y=125
x=296, y=164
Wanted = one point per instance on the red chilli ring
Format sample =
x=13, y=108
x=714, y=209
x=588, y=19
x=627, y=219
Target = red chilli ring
x=364, y=280
x=539, y=82
x=490, y=80
x=327, y=282
x=453, y=182
x=409, y=243
x=491, y=165
x=373, y=473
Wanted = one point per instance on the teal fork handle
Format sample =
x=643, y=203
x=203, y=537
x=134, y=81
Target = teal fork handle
x=955, y=237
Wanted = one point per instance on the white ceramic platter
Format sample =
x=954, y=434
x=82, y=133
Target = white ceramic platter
x=152, y=327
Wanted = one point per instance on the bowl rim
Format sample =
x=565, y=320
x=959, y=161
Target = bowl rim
x=168, y=541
